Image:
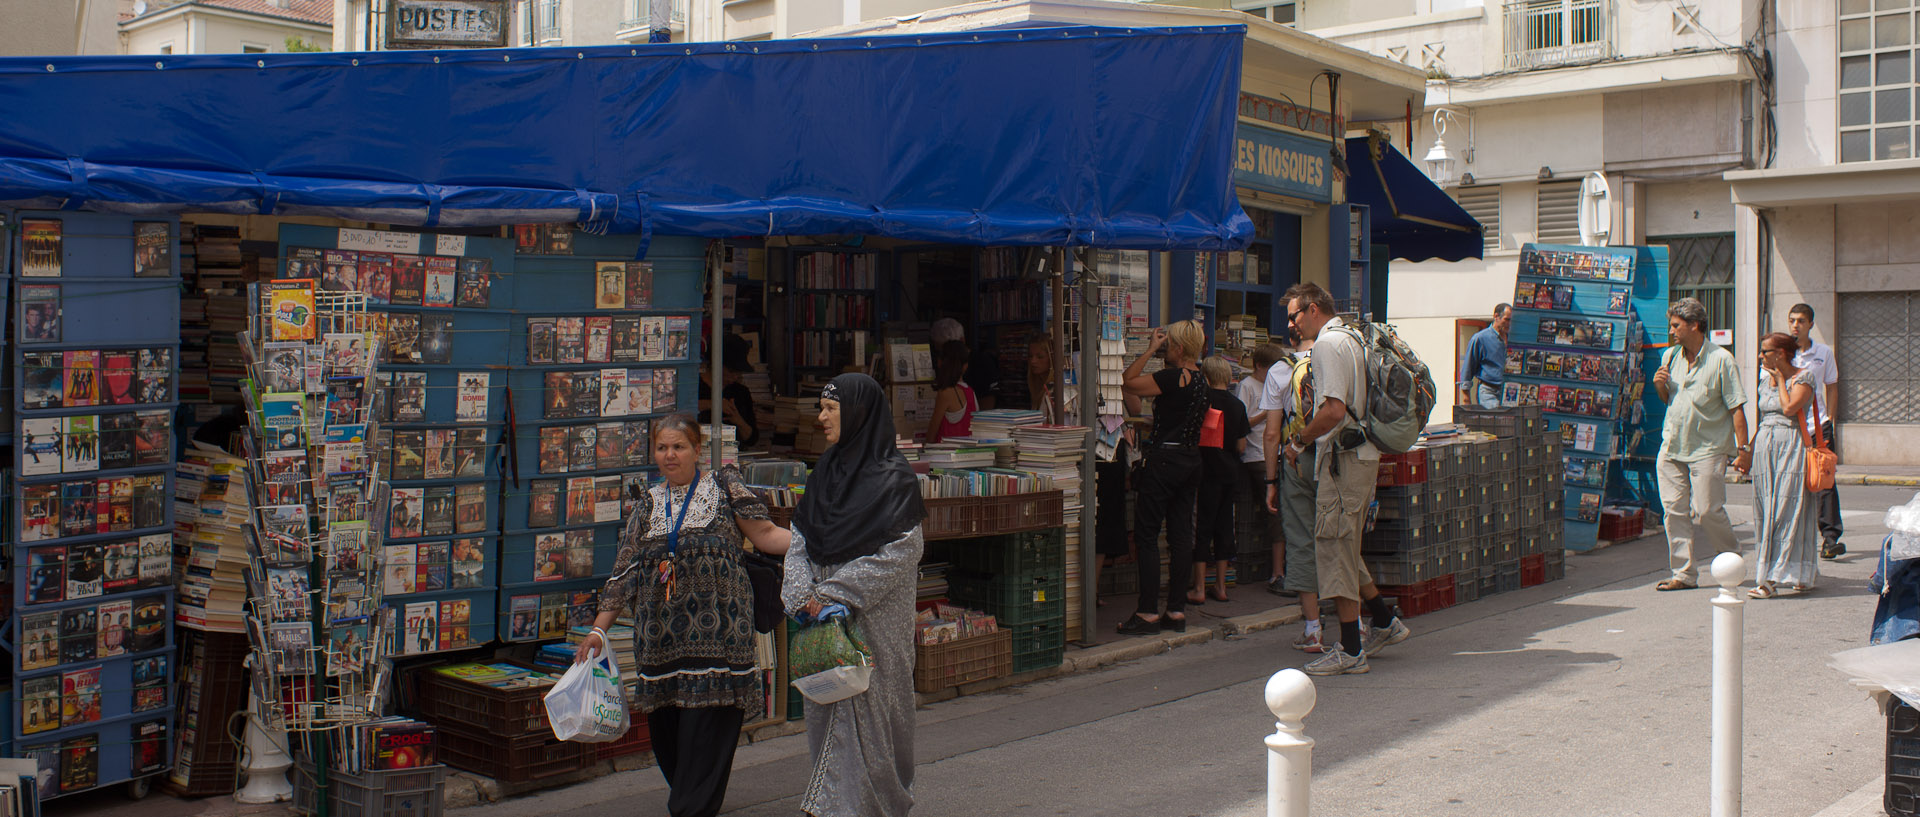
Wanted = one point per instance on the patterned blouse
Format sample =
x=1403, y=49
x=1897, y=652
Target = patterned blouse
x=695, y=645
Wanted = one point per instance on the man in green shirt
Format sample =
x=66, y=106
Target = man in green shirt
x=1705, y=421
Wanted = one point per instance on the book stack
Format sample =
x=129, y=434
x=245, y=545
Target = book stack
x=1055, y=452
x=210, y=507
x=958, y=455
x=729, y=446
x=932, y=586
x=194, y=332
x=760, y=385
x=220, y=283
x=998, y=424
x=796, y=426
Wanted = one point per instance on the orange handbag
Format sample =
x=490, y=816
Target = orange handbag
x=1213, y=429
x=1821, y=461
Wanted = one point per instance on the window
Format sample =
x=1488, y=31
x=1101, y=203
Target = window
x=1557, y=212
x=1876, y=80
x=1701, y=266
x=1878, y=351
x=1283, y=12
x=166, y=48
x=1483, y=203
x=1552, y=32
x=253, y=49
x=543, y=21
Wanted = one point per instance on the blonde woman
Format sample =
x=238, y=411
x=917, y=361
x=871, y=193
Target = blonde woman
x=1168, y=483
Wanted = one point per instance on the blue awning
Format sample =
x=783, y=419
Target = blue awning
x=1127, y=142
x=1413, y=218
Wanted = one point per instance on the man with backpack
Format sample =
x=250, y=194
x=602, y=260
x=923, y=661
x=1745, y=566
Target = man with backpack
x=1347, y=464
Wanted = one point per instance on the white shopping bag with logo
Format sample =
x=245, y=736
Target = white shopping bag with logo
x=588, y=704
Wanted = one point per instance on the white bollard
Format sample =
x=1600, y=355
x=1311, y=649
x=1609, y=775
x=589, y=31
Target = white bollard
x=267, y=763
x=1729, y=570
x=1290, y=696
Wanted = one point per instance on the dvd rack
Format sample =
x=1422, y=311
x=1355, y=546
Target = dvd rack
x=92, y=398
x=607, y=342
x=1576, y=347
x=318, y=631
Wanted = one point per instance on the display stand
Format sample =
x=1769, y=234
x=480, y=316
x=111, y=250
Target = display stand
x=1576, y=347
x=90, y=525
x=577, y=460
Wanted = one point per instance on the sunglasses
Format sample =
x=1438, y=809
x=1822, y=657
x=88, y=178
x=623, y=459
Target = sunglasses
x=1295, y=316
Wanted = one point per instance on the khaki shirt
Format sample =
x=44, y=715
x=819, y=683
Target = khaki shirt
x=1705, y=395
x=1338, y=361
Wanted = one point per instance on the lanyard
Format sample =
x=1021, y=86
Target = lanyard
x=673, y=533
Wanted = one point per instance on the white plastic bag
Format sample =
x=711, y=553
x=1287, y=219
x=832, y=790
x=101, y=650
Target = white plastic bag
x=834, y=685
x=588, y=704
x=1904, y=522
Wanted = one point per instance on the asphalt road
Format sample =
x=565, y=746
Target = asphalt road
x=1589, y=696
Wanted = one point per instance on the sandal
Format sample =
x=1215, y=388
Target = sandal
x=1196, y=602
x=1138, y=625
x=1674, y=584
x=1764, y=591
x=1218, y=595
x=1803, y=588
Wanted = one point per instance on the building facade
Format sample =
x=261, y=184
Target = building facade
x=1835, y=220
x=225, y=26
x=1534, y=105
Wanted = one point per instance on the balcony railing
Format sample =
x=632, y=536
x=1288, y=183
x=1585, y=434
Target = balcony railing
x=637, y=16
x=1543, y=33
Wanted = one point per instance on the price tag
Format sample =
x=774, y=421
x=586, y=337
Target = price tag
x=380, y=241
x=450, y=245
x=1720, y=337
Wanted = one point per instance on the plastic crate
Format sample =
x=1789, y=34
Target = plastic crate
x=1507, y=421
x=1018, y=512
x=1532, y=511
x=1505, y=487
x=1394, y=539
x=1408, y=567
x=512, y=760
x=1533, y=542
x=1018, y=598
x=939, y=666
x=1403, y=469
x=1618, y=523
x=1466, y=585
x=1402, y=501
x=1489, y=580
x=1533, y=571
x=636, y=740
x=1556, y=561
x=1027, y=552
x=1039, y=645
x=1503, y=456
x=1556, y=476
x=392, y=793
x=1506, y=516
x=1413, y=599
x=1442, y=589
x=951, y=517
x=1507, y=576
x=1902, y=798
x=508, y=713
x=1556, y=529
x=1440, y=464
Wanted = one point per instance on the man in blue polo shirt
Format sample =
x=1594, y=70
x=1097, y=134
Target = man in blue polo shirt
x=1486, y=362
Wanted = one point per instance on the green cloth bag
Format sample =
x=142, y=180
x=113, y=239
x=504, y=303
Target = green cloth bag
x=821, y=647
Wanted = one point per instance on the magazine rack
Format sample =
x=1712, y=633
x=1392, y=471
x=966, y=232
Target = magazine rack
x=1584, y=321
x=318, y=632
x=90, y=517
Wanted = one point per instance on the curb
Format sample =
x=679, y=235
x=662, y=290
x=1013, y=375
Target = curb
x=1877, y=479
x=1865, y=801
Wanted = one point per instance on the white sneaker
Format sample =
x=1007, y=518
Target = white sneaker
x=1380, y=638
x=1336, y=661
x=1310, y=642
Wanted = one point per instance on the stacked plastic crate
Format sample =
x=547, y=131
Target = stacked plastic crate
x=1518, y=498
x=1410, y=550
x=1020, y=579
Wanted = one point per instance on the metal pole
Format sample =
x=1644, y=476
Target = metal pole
x=1290, y=696
x=1089, y=414
x=1059, y=331
x=717, y=377
x=1729, y=570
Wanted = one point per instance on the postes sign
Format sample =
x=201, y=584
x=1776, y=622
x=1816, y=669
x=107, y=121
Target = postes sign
x=447, y=23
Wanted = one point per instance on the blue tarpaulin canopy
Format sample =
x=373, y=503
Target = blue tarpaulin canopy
x=1415, y=219
x=1060, y=136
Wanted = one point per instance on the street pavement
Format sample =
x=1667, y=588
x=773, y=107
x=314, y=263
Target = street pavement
x=1589, y=695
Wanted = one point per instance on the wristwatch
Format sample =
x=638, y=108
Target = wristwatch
x=1748, y=449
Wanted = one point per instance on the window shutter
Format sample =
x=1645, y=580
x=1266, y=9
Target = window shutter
x=1483, y=203
x=1557, y=212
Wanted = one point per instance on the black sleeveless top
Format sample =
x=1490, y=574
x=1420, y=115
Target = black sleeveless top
x=1179, y=410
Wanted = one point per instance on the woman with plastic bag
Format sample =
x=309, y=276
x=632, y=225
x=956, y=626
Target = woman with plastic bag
x=856, y=554
x=679, y=571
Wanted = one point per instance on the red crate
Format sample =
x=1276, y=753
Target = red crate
x=1533, y=570
x=635, y=741
x=1443, y=591
x=1403, y=469
x=1617, y=523
x=1415, y=599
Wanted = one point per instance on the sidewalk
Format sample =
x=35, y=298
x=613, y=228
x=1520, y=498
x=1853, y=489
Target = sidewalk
x=1897, y=475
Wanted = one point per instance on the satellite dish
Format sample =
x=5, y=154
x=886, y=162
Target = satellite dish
x=1596, y=210
x=139, y=7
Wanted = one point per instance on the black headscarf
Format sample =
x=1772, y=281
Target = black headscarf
x=863, y=494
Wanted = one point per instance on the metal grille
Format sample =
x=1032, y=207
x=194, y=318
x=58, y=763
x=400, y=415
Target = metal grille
x=1483, y=203
x=1557, y=212
x=1554, y=32
x=1701, y=266
x=1879, y=357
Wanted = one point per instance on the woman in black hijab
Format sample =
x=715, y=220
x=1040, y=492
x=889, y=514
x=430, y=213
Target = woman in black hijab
x=856, y=547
